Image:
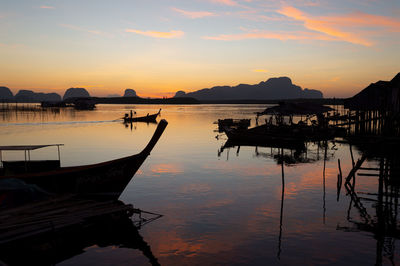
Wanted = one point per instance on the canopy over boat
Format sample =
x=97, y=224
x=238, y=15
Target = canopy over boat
x=286, y=109
x=26, y=147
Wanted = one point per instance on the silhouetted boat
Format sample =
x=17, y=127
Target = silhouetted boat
x=84, y=104
x=103, y=179
x=283, y=134
x=243, y=138
x=47, y=104
x=148, y=118
x=233, y=123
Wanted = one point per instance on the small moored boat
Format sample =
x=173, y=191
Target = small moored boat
x=233, y=123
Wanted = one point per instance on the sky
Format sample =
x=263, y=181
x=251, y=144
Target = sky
x=158, y=47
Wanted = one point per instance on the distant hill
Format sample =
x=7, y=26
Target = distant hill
x=31, y=96
x=272, y=89
x=130, y=93
x=6, y=94
x=76, y=93
x=138, y=100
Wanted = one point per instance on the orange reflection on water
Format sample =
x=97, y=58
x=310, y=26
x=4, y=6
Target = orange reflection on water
x=243, y=169
x=166, y=168
x=195, y=188
x=169, y=243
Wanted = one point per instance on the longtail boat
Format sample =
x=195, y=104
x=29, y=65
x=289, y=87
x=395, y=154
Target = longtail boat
x=286, y=134
x=103, y=179
x=148, y=118
x=233, y=123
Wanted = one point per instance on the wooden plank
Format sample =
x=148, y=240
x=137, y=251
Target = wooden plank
x=26, y=221
x=366, y=174
x=369, y=168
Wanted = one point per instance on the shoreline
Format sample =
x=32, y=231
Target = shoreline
x=182, y=101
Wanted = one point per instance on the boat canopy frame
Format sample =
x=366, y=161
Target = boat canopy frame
x=27, y=150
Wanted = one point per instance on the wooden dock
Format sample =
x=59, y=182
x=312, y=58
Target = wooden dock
x=50, y=231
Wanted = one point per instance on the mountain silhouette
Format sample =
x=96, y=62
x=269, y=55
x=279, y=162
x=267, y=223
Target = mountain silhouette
x=272, y=89
x=6, y=94
x=76, y=93
x=31, y=96
x=130, y=93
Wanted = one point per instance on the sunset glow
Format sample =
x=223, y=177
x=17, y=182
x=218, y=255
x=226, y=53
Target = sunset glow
x=158, y=47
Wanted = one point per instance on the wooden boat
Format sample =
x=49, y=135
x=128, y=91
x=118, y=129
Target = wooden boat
x=148, y=118
x=233, y=123
x=103, y=179
x=282, y=143
x=285, y=134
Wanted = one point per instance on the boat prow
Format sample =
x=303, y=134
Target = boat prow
x=107, y=179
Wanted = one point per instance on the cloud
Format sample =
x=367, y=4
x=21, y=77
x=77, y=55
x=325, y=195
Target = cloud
x=12, y=46
x=260, y=70
x=193, y=14
x=47, y=7
x=225, y=2
x=77, y=28
x=359, y=19
x=259, y=34
x=332, y=25
x=334, y=79
x=158, y=34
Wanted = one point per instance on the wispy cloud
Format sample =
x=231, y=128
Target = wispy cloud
x=260, y=34
x=158, y=34
x=13, y=46
x=253, y=15
x=334, y=79
x=344, y=27
x=47, y=7
x=77, y=28
x=260, y=70
x=360, y=19
x=225, y=2
x=193, y=14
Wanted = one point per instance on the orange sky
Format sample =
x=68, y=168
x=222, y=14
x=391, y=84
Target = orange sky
x=158, y=48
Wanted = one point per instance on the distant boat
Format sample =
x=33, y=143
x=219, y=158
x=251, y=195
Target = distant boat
x=233, y=123
x=103, y=179
x=283, y=134
x=265, y=134
x=84, y=104
x=148, y=118
x=288, y=133
x=47, y=104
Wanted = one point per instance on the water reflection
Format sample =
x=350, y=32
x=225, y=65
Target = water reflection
x=51, y=231
x=295, y=153
x=133, y=125
x=376, y=206
x=289, y=155
x=240, y=211
x=281, y=214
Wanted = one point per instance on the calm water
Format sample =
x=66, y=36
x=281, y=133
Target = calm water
x=220, y=207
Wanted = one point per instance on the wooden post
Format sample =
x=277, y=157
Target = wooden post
x=339, y=182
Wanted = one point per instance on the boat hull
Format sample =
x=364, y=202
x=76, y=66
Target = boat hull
x=148, y=118
x=107, y=179
x=284, y=134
